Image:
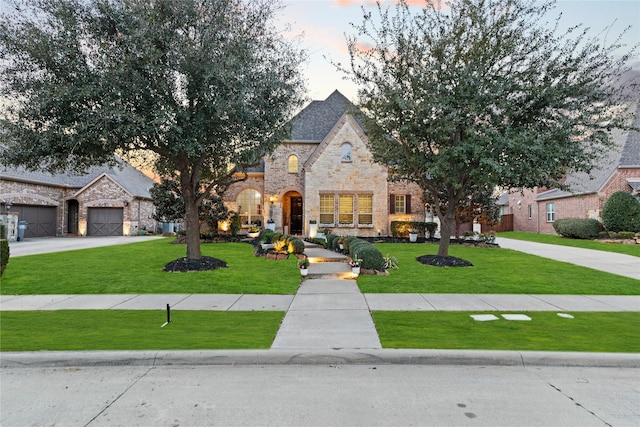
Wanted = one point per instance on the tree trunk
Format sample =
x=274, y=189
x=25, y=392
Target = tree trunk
x=192, y=218
x=447, y=223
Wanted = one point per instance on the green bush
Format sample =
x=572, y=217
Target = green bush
x=627, y=234
x=332, y=241
x=266, y=236
x=577, y=228
x=4, y=254
x=402, y=228
x=621, y=212
x=3, y=231
x=371, y=257
x=347, y=242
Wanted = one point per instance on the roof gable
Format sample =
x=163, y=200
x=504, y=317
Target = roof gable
x=316, y=120
x=129, y=178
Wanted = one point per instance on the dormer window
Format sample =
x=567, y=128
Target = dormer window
x=293, y=164
x=345, y=151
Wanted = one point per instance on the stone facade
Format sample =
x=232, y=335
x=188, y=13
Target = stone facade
x=333, y=164
x=72, y=196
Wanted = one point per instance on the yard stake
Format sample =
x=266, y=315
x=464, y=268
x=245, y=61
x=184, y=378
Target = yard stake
x=168, y=317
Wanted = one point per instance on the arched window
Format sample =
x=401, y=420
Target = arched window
x=345, y=151
x=293, y=163
x=249, y=204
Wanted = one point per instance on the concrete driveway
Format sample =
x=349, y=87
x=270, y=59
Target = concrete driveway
x=43, y=245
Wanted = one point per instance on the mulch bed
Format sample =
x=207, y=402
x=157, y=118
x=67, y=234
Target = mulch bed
x=203, y=264
x=443, y=261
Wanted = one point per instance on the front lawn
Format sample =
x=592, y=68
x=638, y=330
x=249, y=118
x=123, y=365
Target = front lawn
x=495, y=271
x=137, y=269
x=136, y=330
x=587, y=331
x=551, y=239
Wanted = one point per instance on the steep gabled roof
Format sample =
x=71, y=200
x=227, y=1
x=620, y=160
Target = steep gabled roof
x=130, y=178
x=316, y=120
x=625, y=155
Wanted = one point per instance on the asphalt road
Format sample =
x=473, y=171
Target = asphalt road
x=320, y=395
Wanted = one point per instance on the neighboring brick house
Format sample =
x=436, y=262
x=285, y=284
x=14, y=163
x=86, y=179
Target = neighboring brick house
x=536, y=210
x=325, y=173
x=103, y=202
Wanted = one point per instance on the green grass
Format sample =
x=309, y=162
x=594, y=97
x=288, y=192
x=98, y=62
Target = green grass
x=137, y=268
x=633, y=250
x=136, y=330
x=587, y=332
x=500, y=271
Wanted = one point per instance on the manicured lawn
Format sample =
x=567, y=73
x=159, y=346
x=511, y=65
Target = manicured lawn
x=588, y=331
x=136, y=330
x=633, y=250
x=137, y=268
x=500, y=271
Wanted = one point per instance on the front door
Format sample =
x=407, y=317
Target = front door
x=296, y=215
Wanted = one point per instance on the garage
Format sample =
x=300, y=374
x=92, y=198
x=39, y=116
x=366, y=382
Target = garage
x=41, y=219
x=104, y=222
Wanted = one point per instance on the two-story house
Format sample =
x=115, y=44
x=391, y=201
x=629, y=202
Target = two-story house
x=325, y=173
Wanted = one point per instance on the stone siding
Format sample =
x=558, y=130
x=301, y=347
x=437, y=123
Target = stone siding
x=327, y=173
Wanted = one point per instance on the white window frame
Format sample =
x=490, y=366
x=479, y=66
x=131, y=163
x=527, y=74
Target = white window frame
x=551, y=212
x=349, y=211
x=402, y=199
x=346, y=153
x=252, y=205
x=361, y=212
x=325, y=213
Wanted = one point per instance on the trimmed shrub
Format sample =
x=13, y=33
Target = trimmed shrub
x=627, y=234
x=295, y=245
x=371, y=257
x=577, y=228
x=621, y=212
x=266, y=236
x=332, y=241
x=4, y=254
x=347, y=242
x=3, y=231
x=402, y=228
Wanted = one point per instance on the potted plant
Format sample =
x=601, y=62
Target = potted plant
x=303, y=265
x=413, y=235
x=341, y=243
x=254, y=231
x=355, y=263
x=271, y=225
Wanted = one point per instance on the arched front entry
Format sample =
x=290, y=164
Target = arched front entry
x=292, y=209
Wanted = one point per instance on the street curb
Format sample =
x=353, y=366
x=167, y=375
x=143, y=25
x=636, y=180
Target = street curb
x=316, y=357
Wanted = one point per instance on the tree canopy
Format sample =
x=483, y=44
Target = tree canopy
x=467, y=95
x=203, y=85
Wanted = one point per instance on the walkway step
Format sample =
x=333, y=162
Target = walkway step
x=330, y=270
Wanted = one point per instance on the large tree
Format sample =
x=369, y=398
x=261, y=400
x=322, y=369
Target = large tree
x=467, y=95
x=205, y=86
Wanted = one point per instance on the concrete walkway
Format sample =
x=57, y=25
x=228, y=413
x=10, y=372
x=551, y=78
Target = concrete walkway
x=610, y=262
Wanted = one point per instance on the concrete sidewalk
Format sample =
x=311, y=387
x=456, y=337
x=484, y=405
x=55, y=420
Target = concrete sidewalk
x=327, y=295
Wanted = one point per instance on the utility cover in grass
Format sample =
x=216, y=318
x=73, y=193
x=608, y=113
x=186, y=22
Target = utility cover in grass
x=203, y=264
x=566, y=315
x=443, y=261
x=483, y=317
x=516, y=317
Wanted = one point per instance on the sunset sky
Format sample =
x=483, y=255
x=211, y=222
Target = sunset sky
x=324, y=23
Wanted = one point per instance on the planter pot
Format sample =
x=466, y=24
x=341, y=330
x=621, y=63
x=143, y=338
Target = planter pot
x=313, y=230
x=413, y=237
x=271, y=226
x=304, y=271
x=355, y=270
x=253, y=235
x=341, y=246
